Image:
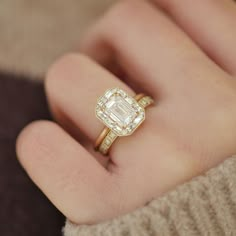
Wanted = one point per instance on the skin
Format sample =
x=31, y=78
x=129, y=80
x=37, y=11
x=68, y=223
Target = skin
x=163, y=48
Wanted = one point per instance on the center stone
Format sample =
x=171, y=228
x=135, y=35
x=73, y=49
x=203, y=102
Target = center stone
x=120, y=111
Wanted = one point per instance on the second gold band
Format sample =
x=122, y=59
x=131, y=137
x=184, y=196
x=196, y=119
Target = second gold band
x=108, y=137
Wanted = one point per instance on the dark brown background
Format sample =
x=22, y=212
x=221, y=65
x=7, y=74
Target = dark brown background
x=24, y=209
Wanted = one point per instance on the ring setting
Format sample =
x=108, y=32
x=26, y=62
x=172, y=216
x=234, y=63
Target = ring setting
x=121, y=114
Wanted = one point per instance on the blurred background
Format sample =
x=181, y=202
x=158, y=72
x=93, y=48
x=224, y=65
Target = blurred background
x=33, y=34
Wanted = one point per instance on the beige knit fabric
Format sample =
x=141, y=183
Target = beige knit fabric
x=205, y=206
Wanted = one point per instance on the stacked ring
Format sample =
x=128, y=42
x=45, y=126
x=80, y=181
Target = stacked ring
x=121, y=114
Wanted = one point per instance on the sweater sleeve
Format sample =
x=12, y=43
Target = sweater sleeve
x=204, y=206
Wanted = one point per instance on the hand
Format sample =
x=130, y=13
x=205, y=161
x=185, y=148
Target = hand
x=185, y=59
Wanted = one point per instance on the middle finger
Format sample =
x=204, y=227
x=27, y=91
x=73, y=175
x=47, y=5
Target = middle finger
x=153, y=51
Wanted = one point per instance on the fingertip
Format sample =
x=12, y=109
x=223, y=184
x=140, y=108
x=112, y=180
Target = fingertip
x=30, y=138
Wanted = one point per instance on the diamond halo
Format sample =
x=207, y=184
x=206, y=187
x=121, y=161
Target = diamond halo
x=120, y=112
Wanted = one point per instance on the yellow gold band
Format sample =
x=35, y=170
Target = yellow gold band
x=108, y=137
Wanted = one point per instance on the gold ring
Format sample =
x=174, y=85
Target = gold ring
x=121, y=114
x=106, y=130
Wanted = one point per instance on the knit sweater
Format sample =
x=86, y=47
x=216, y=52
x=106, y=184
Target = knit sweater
x=204, y=206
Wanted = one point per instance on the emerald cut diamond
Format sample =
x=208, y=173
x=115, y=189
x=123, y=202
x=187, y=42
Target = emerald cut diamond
x=119, y=112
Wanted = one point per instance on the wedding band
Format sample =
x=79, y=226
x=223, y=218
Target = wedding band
x=106, y=130
x=121, y=114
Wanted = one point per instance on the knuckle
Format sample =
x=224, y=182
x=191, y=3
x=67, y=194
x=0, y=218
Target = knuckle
x=32, y=141
x=169, y=4
x=61, y=69
x=122, y=12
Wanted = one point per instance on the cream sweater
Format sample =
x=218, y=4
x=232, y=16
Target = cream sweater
x=205, y=206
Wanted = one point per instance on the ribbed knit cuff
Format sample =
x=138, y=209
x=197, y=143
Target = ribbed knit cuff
x=204, y=206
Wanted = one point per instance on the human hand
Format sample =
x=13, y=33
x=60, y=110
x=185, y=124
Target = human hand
x=186, y=62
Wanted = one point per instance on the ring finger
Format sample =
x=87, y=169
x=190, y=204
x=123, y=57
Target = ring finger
x=73, y=86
